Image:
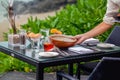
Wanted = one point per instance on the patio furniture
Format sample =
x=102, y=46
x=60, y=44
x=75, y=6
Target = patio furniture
x=65, y=57
x=107, y=69
x=33, y=58
x=113, y=38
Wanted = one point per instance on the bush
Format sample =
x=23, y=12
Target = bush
x=73, y=19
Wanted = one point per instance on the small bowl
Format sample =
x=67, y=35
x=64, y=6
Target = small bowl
x=62, y=41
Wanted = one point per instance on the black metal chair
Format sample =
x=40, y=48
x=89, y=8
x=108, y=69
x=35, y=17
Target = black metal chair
x=87, y=67
x=113, y=38
x=107, y=69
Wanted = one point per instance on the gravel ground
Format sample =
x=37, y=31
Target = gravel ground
x=30, y=76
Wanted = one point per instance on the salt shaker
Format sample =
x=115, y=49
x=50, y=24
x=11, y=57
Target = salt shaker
x=22, y=34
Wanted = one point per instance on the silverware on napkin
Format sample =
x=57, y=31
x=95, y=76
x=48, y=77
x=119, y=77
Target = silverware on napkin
x=63, y=53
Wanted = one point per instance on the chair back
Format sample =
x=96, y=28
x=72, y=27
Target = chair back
x=114, y=37
x=107, y=69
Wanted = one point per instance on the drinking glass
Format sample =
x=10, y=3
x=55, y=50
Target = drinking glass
x=35, y=44
x=22, y=34
x=13, y=39
x=47, y=45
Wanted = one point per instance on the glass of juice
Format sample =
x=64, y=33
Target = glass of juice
x=47, y=45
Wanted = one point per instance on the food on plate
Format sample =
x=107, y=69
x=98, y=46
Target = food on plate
x=33, y=35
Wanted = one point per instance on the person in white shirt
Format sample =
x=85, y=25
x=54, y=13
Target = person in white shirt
x=113, y=7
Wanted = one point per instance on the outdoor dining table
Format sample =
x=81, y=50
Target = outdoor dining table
x=27, y=55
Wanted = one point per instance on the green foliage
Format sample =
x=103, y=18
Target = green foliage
x=73, y=19
x=34, y=25
x=8, y=63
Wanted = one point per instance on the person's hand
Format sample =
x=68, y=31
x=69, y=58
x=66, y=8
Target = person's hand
x=80, y=38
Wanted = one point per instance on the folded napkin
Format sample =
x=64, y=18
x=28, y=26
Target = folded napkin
x=80, y=49
x=90, y=41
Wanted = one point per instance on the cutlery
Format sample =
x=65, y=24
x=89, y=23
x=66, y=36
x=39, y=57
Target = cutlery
x=63, y=53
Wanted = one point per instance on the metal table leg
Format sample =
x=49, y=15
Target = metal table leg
x=70, y=69
x=78, y=71
x=40, y=73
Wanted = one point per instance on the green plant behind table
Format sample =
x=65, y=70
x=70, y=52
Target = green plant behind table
x=73, y=19
x=34, y=25
x=8, y=63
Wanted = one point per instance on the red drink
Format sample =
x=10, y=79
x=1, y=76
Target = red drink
x=48, y=46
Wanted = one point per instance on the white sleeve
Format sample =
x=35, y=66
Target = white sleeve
x=112, y=10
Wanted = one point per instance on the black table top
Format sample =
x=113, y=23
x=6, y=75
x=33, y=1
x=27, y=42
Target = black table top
x=30, y=56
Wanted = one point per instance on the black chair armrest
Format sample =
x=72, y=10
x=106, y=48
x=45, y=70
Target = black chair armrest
x=61, y=74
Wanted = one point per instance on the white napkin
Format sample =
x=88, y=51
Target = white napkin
x=90, y=41
x=80, y=49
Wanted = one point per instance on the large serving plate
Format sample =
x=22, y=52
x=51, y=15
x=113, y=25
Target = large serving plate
x=48, y=54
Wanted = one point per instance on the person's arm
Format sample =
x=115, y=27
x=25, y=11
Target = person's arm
x=101, y=28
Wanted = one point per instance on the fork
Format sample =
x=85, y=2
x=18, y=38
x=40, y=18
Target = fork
x=63, y=53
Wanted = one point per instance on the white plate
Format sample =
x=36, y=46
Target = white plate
x=105, y=45
x=48, y=54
